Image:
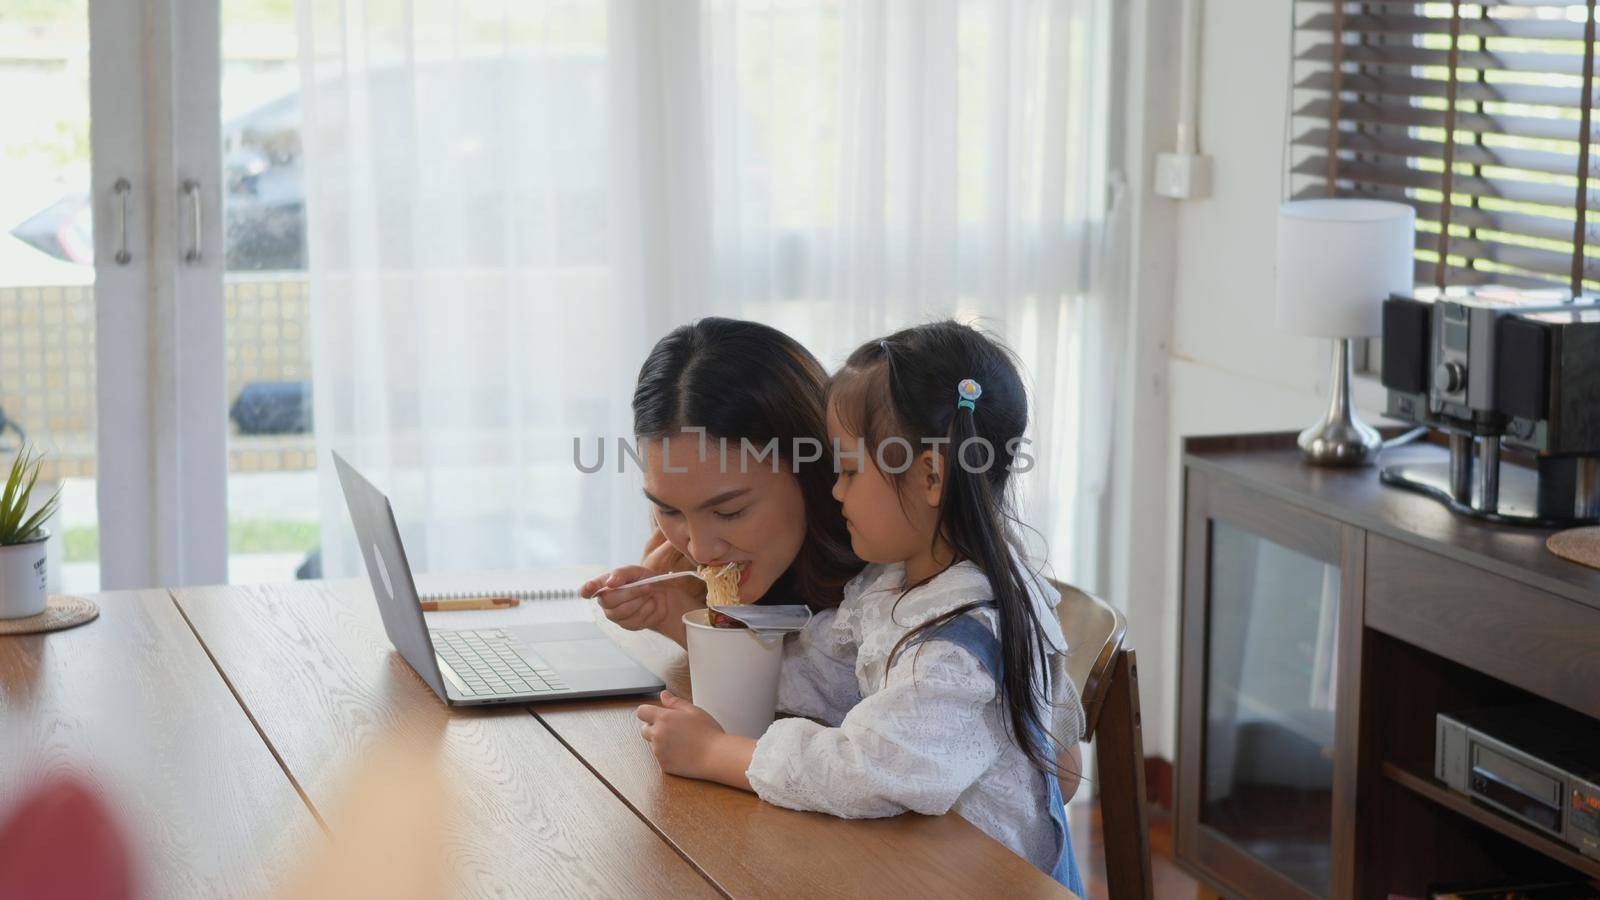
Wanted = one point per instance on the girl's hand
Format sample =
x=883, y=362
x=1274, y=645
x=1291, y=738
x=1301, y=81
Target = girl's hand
x=659, y=607
x=680, y=733
x=688, y=742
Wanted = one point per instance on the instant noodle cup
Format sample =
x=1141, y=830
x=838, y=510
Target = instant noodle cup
x=733, y=673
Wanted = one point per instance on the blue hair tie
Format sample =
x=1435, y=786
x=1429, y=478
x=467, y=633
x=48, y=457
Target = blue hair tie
x=968, y=391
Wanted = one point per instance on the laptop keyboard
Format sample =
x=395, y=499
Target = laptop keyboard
x=488, y=663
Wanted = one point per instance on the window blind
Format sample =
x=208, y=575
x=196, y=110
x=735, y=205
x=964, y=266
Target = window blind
x=1478, y=115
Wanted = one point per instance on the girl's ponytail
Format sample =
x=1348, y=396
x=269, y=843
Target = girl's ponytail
x=974, y=519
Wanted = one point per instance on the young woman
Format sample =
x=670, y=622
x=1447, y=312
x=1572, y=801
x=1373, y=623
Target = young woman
x=937, y=684
x=730, y=418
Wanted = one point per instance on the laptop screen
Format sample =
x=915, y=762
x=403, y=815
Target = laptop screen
x=378, y=535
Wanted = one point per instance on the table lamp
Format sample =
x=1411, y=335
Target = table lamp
x=1338, y=260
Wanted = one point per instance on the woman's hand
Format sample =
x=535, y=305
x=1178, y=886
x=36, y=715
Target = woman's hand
x=658, y=610
x=688, y=742
x=659, y=607
x=660, y=555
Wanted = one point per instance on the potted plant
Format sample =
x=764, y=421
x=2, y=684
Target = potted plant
x=22, y=539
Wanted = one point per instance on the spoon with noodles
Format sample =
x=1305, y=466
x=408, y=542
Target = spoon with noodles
x=722, y=583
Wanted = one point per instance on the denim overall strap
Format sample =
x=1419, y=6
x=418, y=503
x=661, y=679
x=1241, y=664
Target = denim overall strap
x=970, y=635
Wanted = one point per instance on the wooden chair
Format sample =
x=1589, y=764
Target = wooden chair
x=1107, y=677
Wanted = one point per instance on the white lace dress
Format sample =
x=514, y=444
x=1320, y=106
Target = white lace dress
x=928, y=735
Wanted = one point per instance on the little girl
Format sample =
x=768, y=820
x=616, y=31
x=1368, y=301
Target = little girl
x=938, y=683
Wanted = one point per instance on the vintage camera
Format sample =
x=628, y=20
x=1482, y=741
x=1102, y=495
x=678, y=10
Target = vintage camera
x=1488, y=365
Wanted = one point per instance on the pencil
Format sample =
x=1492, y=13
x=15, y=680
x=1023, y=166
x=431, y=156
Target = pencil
x=472, y=603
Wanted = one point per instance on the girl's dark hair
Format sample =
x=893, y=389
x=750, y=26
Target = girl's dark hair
x=740, y=379
x=905, y=386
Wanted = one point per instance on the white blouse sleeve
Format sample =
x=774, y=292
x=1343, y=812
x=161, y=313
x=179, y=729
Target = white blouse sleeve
x=916, y=745
x=818, y=679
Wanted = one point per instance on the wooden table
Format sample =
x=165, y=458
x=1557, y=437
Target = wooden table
x=233, y=716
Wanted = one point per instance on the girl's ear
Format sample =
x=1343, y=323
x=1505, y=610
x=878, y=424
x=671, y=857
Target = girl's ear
x=930, y=477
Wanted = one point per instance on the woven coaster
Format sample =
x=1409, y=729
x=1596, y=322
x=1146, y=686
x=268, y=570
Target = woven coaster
x=59, y=612
x=1581, y=545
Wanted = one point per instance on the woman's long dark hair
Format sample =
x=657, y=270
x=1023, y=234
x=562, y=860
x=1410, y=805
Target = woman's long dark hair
x=740, y=379
x=904, y=386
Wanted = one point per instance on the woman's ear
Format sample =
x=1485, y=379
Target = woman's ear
x=930, y=477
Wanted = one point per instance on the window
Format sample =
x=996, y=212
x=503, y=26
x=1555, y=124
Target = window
x=1481, y=103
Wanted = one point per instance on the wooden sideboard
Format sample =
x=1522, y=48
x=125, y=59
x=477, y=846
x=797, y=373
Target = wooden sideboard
x=1327, y=620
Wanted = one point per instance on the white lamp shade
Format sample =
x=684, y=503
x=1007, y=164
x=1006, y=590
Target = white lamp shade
x=1338, y=260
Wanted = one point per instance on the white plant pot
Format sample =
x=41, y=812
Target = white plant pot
x=22, y=577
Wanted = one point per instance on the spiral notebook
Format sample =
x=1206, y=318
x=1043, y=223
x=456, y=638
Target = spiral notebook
x=492, y=593
x=538, y=584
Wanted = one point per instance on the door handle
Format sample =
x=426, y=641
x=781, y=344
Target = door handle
x=121, y=190
x=191, y=190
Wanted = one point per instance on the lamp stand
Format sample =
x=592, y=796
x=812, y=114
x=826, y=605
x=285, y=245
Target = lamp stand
x=1341, y=438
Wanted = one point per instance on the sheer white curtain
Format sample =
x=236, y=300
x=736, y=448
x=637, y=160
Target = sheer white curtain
x=509, y=202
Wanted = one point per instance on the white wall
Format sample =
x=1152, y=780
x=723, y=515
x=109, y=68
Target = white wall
x=1203, y=294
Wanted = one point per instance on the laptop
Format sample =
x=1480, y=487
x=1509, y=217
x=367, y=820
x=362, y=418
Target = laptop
x=489, y=665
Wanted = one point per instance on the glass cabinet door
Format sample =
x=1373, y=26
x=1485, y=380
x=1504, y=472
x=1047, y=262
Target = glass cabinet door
x=1268, y=754
x=1268, y=742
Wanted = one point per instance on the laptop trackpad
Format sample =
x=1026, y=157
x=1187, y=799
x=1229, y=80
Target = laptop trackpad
x=577, y=656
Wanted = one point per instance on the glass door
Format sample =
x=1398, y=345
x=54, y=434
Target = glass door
x=1270, y=687
x=120, y=173
x=1271, y=628
x=273, y=526
x=47, y=272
